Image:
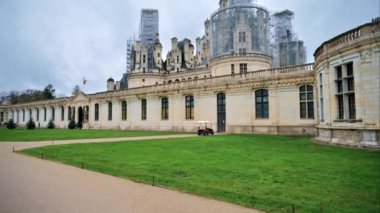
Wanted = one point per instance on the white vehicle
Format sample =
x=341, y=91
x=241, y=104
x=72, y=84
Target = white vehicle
x=205, y=128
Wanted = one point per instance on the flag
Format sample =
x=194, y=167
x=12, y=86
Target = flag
x=84, y=81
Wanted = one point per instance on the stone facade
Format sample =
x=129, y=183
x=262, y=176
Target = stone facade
x=337, y=99
x=348, y=87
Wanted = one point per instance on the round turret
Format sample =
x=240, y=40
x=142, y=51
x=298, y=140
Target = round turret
x=110, y=84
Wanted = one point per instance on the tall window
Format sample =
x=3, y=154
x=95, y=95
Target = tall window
x=62, y=113
x=30, y=114
x=52, y=113
x=242, y=37
x=143, y=109
x=69, y=113
x=321, y=97
x=110, y=111
x=165, y=108
x=123, y=110
x=1, y=116
x=45, y=114
x=177, y=59
x=262, y=104
x=96, y=117
x=144, y=58
x=38, y=114
x=307, y=102
x=23, y=115
x=232, y=68
x=345, y=95
x=189, y=107
x=243, y=68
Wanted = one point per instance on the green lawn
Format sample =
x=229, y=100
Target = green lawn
x=22, y=134
x=269, y=173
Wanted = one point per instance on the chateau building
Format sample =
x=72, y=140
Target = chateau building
x=229, y=78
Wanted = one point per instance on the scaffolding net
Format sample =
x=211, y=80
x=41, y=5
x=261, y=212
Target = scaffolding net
x=241, y=27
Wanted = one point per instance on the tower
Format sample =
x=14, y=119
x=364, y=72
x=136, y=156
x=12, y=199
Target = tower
x=148, y=26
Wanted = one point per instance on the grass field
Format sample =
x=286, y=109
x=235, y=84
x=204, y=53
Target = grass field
x=269, y=173
x=22, y=134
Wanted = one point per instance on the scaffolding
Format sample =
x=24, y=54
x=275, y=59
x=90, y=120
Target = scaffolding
x=287, y=50
x=148, y=26
x=241, y=27
x=130, y=55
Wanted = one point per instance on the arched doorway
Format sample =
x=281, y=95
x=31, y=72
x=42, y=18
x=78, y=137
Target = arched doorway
x=80, y=115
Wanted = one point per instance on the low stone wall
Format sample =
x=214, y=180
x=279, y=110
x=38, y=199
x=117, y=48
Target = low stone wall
x=359, y=138
x=275, y=130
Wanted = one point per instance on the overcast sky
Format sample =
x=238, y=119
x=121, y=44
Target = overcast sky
x=59, y=42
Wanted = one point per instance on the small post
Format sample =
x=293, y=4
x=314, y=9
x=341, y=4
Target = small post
x=153, y=181
x=293, y=209
x=82, y=165
x=320, y=209
x=42, y=155
x=13, y=149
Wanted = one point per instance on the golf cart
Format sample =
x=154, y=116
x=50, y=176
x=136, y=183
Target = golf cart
x=205, y=128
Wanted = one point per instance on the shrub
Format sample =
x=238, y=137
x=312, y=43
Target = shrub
x=11, y=124
x=51, y=125
x=72, y=124
x=31, y=125
x=79, y=125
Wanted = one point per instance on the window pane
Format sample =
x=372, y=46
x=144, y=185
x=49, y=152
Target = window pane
x=303, y=110
x=309, y=88
x=310, y=96
x=302, y=89
x=350, y=84
x=303, y=97
x=339, y=86
x=265, y=111
x=350, y=70
x=340, y=107
x=339, y=72
x=259, y=111
x=351, y=106
x=310, y=110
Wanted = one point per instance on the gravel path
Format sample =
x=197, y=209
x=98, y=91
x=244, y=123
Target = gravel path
x=33, y=185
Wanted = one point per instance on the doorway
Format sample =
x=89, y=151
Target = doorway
x=80, y=115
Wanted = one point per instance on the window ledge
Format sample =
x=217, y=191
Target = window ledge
x=349, y=121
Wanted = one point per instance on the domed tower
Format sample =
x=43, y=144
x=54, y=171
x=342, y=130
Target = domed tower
x=239, y=33
x=110, y=85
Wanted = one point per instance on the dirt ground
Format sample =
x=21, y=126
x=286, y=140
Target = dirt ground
x=30, y=185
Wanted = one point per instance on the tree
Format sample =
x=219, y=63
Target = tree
x=49, y=92
x=76, y=90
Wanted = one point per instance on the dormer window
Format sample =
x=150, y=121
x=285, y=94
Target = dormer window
x=242, y=38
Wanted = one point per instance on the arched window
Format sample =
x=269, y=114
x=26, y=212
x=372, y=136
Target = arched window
x=45, y=114
x=189, y=107
x=62, y=113
x=306, y=102
x=262, y=104
x=96, y=116
x=38, y=114
x=110, y=111
x=143, y=109
x=124, y=110
x=52, y=113
x=165, y=108
x=69, y=113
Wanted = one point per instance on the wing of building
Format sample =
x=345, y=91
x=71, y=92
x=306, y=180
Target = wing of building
x=237, y=77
